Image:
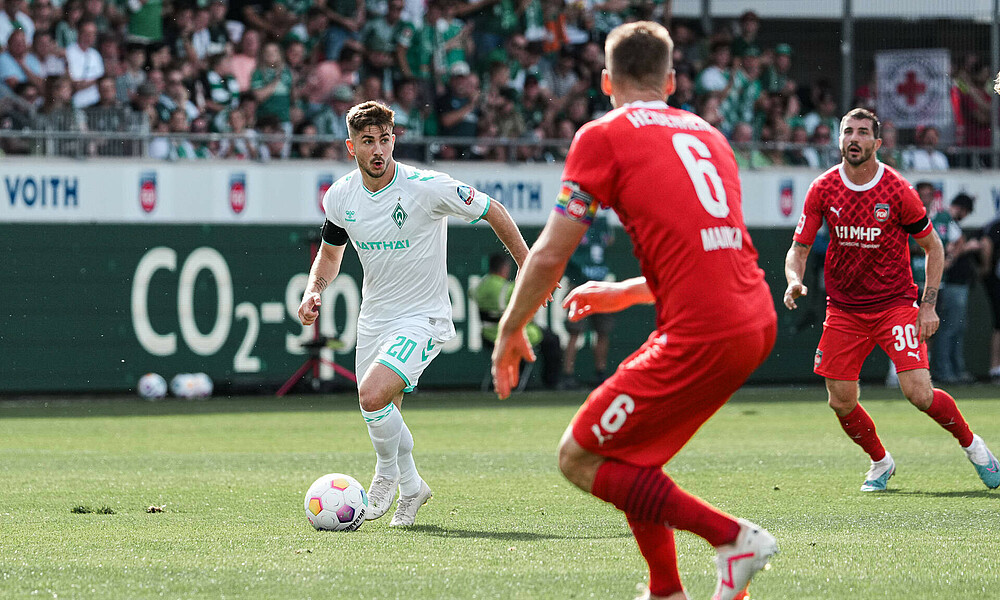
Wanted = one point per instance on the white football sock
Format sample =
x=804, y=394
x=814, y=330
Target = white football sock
x=384, y=428
x=409, y=479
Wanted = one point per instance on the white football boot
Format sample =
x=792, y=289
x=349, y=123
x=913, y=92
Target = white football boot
x=380, y=495
x=738, y=562
x=407, y=506
x=877, y=477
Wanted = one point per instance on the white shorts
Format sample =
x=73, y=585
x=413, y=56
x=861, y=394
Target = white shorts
x=407, y=348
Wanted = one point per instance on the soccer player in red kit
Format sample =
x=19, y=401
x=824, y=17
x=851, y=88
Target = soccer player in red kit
x=871, y=299
x=673, y=182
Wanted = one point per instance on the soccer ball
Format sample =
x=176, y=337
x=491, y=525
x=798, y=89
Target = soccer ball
x=191, y=385
x=336, y=502
x=152, y=386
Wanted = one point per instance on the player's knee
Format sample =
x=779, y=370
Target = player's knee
x=842, y=405
x=372, y=399
x=578, y=466
x=920, y=396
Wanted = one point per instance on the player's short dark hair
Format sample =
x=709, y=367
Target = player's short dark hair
x=963, y=201
x=364, y=115
x=923, y=184
x=641, y=52
x=497, y=262
x=864, y=113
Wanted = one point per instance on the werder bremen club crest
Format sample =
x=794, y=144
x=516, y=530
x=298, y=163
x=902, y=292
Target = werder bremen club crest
x=399, y=215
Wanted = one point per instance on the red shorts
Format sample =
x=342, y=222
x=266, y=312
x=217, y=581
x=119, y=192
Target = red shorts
x=848, y=339
x=663, y=393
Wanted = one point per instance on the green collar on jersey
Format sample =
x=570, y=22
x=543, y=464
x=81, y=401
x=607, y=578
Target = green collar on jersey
x=373, y=194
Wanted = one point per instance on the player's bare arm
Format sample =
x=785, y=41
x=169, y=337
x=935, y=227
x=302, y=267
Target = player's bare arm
x=607, y=296
x=538, y=277
x=795, y=269
x=324, y=269
x=927, y=319
x=507, y=232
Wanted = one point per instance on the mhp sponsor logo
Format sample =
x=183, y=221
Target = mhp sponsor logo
x=42, y=191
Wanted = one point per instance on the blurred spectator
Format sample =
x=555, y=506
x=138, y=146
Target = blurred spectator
x=747, y=41
x=378, y=38
x=243, y=145
x=145, y=20
x=175, y=148
x=133, y=72
x=823, y=153
x=245, y=15
x=85, y=65
x=274, y=147
x=800, y=155
x=683, y=96
x=61, y=115
x=347, y=17
x=959, y=273
x=145, y=102
x=43, y=15
x=688, y=50
x=93, y=10
x=245, y=62
x=12, y=18
x=219, y=38
x=588, y=263
x=777, y=77
x=508, y=118
x=18, y=65
x=308, y=148
x=409, y=119
x=744, y=90
x=565, y=80
x=328, y=75
x=175, y=95
x=716, y=76
x=333, y=119
x=746, y=157
x=926, y=156
x=458, y=108
x=49, y=55
x=974, y=106
x=66, y=29
x=990, y=258
x=219, y=89
x=890, y=152
x=825, y=113
x=271, y=85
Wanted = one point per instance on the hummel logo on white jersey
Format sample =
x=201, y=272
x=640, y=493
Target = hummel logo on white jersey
x=835, y=210
x=915, y=355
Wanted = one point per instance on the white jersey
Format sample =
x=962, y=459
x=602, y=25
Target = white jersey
x=400, y=233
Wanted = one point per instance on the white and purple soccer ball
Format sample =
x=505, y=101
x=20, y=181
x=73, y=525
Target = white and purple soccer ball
x=336, y=502
x=152, y=386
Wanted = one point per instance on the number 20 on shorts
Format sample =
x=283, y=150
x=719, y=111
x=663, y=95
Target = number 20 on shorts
x=613, y=418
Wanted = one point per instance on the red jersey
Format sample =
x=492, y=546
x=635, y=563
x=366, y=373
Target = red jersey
x=672, y=180
x=867, y=265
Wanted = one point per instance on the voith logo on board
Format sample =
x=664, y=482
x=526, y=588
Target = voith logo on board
x=786, y=197
x=323, y=183
x=238, y=192
x=147, y=191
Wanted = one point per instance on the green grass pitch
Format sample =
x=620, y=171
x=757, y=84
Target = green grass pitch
x=503, y=523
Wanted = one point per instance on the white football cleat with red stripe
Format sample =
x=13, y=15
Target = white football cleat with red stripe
x=738, y=562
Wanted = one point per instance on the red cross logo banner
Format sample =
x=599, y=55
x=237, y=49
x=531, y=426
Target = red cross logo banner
x=913, y=87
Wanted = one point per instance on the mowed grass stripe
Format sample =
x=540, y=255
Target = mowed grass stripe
x=503, y=522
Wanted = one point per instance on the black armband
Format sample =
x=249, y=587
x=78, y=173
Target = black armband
x=333, y=235
x=915, y=228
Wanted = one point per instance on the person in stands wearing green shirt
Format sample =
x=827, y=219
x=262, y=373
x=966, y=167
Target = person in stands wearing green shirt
x=271, y=85
x=492, y=294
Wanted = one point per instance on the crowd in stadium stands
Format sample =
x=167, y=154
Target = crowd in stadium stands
x=503, y=69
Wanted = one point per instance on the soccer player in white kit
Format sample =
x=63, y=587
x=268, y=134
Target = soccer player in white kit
x=396, y=218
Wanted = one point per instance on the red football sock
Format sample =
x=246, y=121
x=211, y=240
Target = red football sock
x=944, y=410
x=656, y=542
x=858, y=425
x=648, y=494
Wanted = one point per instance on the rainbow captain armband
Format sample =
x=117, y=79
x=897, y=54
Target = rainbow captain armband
x=576, y=204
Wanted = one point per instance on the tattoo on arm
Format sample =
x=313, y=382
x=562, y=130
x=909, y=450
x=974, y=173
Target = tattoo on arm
x=930, y=296
x=321, y=284
x=800, y=245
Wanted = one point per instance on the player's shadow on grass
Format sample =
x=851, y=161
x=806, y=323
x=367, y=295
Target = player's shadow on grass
x=511, y=536
x=993, y=494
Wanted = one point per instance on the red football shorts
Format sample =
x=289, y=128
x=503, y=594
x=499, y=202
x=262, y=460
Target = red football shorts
x=663, y=393
x=848, y=339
